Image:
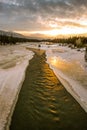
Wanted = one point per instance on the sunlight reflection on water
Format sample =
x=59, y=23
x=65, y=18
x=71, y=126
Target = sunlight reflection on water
x=71, y=69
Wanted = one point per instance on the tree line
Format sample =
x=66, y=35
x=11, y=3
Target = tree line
x=5, y=40
x=76, y=41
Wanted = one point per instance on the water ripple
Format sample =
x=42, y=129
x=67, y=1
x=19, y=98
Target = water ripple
x=44, y=104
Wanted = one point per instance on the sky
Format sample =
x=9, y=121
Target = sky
x=48, y=17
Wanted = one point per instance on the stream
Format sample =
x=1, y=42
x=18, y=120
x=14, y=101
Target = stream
x=43, y=103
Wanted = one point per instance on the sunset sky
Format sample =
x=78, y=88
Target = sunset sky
x=48, y=17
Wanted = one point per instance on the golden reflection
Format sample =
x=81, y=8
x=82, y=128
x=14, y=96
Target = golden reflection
x=54, y=60
x=68, y=68
x=59, y=63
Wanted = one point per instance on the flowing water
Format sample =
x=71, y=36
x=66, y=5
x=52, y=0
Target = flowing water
x=43, y=102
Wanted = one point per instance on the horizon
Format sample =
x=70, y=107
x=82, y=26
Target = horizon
x=44, y=18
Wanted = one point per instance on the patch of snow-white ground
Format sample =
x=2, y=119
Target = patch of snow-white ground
x=70, y=67
x=13, y=62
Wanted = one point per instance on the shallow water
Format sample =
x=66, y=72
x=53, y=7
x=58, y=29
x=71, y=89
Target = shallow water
x=43, y=102
x=71, y=69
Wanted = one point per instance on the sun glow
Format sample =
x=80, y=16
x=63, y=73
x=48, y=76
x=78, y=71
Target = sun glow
x=55, y=32
x=65, y=31
x=52, y=32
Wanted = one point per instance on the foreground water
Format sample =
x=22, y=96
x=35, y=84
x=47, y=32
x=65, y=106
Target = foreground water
x=43, y=102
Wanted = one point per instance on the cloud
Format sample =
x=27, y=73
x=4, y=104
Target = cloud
x=38, y=14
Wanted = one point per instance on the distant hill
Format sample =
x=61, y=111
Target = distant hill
x=13, y=34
